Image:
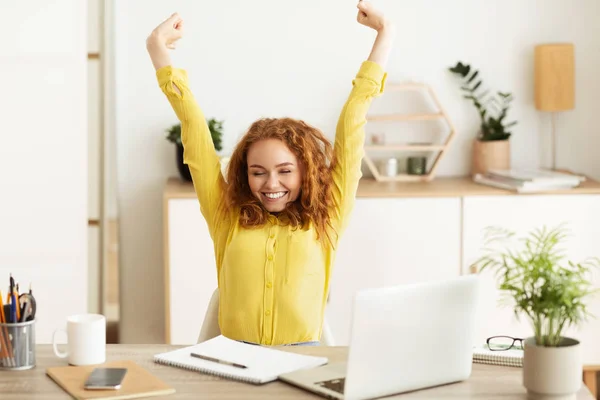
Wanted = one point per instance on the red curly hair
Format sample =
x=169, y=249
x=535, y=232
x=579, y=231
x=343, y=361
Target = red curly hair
x=313, y=151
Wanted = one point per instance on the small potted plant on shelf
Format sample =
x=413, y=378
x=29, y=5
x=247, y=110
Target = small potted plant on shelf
x=174, y=136
x=549, y=292
x=491, y=148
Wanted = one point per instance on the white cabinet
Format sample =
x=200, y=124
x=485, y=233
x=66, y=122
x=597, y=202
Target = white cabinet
x=403, y=238
x=390, y=242
x=522, y=214
x=190, y=275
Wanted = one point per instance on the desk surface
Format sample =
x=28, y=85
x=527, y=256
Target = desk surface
x=439, y=187
x=486, y=382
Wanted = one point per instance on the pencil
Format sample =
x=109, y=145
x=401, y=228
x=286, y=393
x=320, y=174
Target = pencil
x=2, y=317
x=18, y=305
x=2, y=343
x=5, y=355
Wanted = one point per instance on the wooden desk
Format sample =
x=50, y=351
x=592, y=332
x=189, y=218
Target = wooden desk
x=487, y=382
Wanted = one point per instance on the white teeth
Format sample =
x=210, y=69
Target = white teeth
x=275, y=195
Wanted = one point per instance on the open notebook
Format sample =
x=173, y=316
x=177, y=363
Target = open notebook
x=262, y=364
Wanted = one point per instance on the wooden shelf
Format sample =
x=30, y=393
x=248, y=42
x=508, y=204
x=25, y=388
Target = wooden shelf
x=405, y=117
x=404, y=178
x=439, y=148
x=405, y=147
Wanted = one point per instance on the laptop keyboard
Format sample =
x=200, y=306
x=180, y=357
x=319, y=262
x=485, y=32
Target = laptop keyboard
x=337, y=385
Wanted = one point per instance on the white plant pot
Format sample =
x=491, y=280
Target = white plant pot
x=552, y=373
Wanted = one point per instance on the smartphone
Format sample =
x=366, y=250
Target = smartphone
x=105, y=378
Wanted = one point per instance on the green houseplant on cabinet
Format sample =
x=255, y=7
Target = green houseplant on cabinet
x=491, y=148
x=174, y=136
x=550, y=292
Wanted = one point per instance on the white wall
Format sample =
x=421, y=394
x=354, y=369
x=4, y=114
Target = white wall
x=43, y=156
x=272, y=58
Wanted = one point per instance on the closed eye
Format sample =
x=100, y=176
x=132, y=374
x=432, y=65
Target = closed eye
x=286, y=171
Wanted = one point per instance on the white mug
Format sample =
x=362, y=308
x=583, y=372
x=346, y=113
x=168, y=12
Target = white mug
x=86, y=339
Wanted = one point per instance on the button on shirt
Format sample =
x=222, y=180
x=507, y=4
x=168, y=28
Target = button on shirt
x=273, y=280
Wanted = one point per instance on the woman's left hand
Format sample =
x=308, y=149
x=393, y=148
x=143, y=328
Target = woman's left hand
x=369, y=16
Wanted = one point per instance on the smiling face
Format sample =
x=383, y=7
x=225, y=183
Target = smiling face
x=274, y=174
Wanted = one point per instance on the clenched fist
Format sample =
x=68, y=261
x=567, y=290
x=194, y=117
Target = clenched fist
x=369, y=16
x=167, y=33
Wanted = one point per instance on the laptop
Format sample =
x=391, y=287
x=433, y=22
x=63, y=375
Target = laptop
x=403, y=338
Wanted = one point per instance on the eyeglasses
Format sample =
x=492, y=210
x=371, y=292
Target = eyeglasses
x=501, y=343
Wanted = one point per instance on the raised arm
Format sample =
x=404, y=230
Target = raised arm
x=350, y=135
x=199, y=151
x=386, y=32
x=164, y=38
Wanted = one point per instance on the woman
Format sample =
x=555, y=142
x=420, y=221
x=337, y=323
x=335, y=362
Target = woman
x=276, y=223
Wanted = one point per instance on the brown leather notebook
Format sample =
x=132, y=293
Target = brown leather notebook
x=138, y=382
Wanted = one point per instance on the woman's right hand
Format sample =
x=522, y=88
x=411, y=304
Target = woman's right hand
x=167, y=33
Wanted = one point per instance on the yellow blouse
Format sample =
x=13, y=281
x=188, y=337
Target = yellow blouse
x=273, y=281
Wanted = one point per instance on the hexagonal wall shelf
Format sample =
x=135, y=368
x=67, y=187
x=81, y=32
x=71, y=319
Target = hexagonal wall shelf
x=439, y=148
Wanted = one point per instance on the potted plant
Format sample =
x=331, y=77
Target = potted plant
x=174, y=136
x=549, y=291
x=491, y=148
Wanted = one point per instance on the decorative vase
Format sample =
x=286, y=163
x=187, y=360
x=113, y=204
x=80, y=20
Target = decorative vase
x=416, y=165
x=492, y=154
x=552, y=373
x=184, y=170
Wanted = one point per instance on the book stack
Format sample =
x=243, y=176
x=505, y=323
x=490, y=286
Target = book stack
x=509, y=358
x=529, y=180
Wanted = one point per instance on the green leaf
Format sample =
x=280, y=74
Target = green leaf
x=457, y=68
x=466, y=70
x=473, y=76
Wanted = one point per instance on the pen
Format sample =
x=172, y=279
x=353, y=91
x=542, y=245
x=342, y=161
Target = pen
x=11, y=288
x=13, y=309
x=15, y=337
x=207, y=358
